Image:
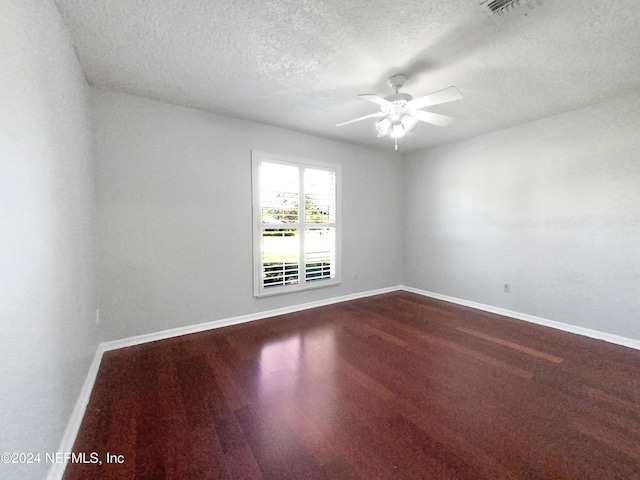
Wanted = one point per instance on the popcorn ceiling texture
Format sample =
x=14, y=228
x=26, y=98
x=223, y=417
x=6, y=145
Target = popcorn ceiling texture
x=300, y=64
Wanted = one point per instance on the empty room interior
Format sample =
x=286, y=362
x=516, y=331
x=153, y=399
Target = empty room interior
x=320, y=240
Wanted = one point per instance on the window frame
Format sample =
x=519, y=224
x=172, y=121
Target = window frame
x=259, y=290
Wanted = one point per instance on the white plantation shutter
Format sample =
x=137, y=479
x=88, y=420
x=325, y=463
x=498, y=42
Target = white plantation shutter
x=280, y=257
x=279, y=193
x=296, y=224
x=320, y=196
x=320, y=253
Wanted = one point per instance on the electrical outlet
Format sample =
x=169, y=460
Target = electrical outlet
x=97, y=316
x=507, y=287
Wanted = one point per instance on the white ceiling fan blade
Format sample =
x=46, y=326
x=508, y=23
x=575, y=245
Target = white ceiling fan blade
x=375, y=99
x=433, y=118
x=450, y=94
x=373, y=115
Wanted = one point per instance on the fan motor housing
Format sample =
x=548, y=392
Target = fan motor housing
x=397, y=102
x=399, y=97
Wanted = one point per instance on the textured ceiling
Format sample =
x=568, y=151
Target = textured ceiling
x=299, y=64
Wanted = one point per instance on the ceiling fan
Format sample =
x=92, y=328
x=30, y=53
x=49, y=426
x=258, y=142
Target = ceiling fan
x=402, y=112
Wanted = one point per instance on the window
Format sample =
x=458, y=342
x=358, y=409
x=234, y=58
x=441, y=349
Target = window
x=296, y=224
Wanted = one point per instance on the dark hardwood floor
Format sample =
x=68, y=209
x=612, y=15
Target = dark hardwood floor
x=391, y=386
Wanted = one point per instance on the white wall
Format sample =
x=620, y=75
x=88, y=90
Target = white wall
x=551, y=207
x=47, y=292
x=174, y=214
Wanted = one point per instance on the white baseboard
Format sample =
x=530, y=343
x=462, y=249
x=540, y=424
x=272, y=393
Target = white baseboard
x=69, y=436
x=587, y=332
x=201, y=327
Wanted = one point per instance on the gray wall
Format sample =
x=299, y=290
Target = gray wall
x=551, y=207
x=174, y=214
x=47, y=292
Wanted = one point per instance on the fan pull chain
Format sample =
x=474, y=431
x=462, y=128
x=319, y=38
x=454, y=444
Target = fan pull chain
x=396, y=144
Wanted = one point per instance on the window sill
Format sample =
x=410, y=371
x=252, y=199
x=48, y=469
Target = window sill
x=296, y=288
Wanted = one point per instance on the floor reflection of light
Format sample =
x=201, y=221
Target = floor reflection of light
x=297, y=387
x=282, y=355
x=319, y=354
x=319, y=363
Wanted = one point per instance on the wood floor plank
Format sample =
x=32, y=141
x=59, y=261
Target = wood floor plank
x=339, y=469
x=515, y=346
x=613, y=400
x=390, y=386
x=434, y=340
x=614, y=439
x=278, y=451
x=367, y=329
x=306, y=428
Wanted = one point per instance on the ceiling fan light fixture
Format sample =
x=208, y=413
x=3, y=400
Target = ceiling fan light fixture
x=408, y=122
x=397, y=130
x=399, y=112
x=383, y=125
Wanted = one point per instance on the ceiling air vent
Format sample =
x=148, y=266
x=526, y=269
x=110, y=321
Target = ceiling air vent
x=503, y=8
